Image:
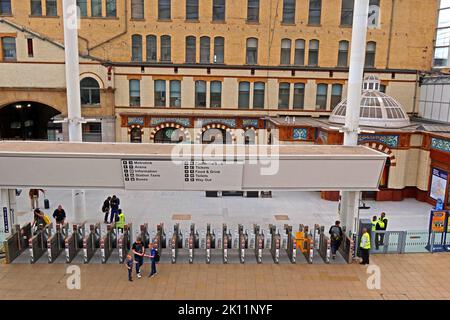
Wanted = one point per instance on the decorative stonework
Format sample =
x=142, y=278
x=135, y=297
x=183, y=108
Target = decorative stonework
x=247, y=123
x=175, y=126
x=440, y=144
x=300, y=134
x=230, y=123
x=185, y=122
x=382, y=148
x=391, y=141
x=214, y=126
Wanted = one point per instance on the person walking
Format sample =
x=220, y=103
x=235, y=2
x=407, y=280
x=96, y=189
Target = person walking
x=336, y=236
x=106, y=207
x=365, y=246
x=139, y=251
x=129, y=264
x=34, y=197
x=38, y=218
x=115, y=202
x=154, y=257
x=120, y=224
x=60, y=215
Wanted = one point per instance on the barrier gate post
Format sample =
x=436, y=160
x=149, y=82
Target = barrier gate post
x=91, y=242
x=226, y=238
x=243, y=237
x=145, y=235
x=55, y=244
x=38, y=243
x=259, y=243
x=291, y=245
x=210, y=243
x=175, y=242
x=324, y=246
x=106, y=244
x=191, y=243
x=124, y=242
x=74, y=242
x=276, y=242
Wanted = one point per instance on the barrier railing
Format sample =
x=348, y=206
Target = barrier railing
x=347, y=248
x=55, y=244
x=74, y=242
x=91, y=242
x=124, y=242
x=106, y=244
x=324, y=245
x=37, y=244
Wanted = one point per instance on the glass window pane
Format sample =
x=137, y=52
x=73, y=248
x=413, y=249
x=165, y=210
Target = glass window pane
x=111, y=8
x=191, y=9
x=244, y=95
x=289, y=11
x=252, y=51
x=347, y=12
x=321, y=98
x=160, y=93
x=205, y=50
x=5, y=7
x=313, y=59
x=151, y=48
x=191, y=50
x=82, y=4
x=36, y=7
x=258, y=95
x=166, y=50
x=216, y=94
x=300, y=52
x=219, y=49
x=9, y=48
x=136, y=54
x=164, y=8
x=51, y=8
x=315, y=8
x=253, y=10
x=299, y=95
x=135, y=93
x=285, y=57
x=96, y=8
x=200, y=94
x=218, y=10
x=137, y=9
x=283, y=95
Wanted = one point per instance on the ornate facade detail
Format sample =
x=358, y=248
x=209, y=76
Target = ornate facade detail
x=230, y=123
x=391, y=141
x=300, y=134
x=382, y=148
x=136, y=121
x=253, y=123
x=440, y=144
x=185, y=122
x=185, y=132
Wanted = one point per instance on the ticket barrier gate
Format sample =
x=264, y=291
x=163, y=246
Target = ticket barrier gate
x=107, y=243
x=124, y=242
x=259, y=243
x=92, y=242
x=74, y=242
x=347, y=248
x=324, y=245
x=275, y=243
x=291, y=246
x=145, y=235
x=305, y=242
x=226, y=242
x=193, y=242
x=37, y=244
x=55, y=243
x=210, y=242
x=243, y=243
x=17, y=242
x=176, y=242
x=160, y=238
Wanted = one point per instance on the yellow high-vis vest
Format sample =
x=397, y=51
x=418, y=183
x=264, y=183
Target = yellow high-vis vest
x=365, y=241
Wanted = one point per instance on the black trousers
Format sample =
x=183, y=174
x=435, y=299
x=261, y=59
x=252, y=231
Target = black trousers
x=365, y=255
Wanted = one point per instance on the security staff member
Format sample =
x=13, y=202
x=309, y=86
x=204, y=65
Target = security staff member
x=381, y=226
x=365, y=246
x=374, y=223
x=120, y=224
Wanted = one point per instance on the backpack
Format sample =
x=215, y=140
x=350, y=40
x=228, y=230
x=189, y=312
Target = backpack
x=47, y=220
x=335, y=233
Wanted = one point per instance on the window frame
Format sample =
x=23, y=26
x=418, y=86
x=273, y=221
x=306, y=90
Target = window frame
x=137, y=9
x=163, y=5
x=285, y=54
x=288, y=17
x=151, y=48
x=217, y=47
x=347, y=12
x=36, y=4
x=299, y=99
x=205, y=50
x=336, y=99
x=249, y=50
x=199, y=94
x=90, y=90
x=166, y=46
x=13, y=48
x=321, y=96
x=297, y=50
x=191, y=49
x=192, y=4
x=284, y=99
x=136, y=48
x=134, y=100
x=253, y=10
x=371, y=55
x=111, y=12
x=312, y=10
x=243, y=96
x=175, y=95
x=256, y=104
x=215, y=96
x=313, y=53
x=160, y=96
x=5, y=8
x=217, y=5
x=341, y=54
x=98, y=14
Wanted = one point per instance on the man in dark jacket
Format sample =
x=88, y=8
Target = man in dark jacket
x=105, y=208
x=115, y=202
x=59, y=215
x=336, y=236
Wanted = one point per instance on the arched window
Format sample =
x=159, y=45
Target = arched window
x=191, y=49
x=151, y=48
x=300, y=52
x=285, y=57
x=89, y=91
x=252, y=51
x=244, y=95
x=166, y=49
x=169, y=135
x=136, y=48
x=343, y=53
x=313, y=58
x=219, y=49
x=205, y=50
x=136, y=135
x=371, y=49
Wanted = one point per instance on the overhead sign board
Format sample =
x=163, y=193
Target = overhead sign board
x=183, y=175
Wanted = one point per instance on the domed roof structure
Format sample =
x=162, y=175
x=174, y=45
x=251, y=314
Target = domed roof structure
x=377, y=109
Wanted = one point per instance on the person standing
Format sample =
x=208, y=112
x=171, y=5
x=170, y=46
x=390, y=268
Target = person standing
x=129, y=264
x=380, y=227
x=120, y=224
x=336, y=236
x=105, y=208
x=153, y=258
x=383, y=222
x=115, y=202
x=34, y=197
x=365, y=246
x=59, y=215
x=139, y=251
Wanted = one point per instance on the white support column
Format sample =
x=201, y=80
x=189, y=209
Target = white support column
x=73, y=93
x=349, y=205
x=8, y=208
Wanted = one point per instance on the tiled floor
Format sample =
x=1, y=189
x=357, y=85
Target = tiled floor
x=413, y=276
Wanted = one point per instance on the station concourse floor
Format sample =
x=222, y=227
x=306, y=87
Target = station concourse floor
x=403, y=277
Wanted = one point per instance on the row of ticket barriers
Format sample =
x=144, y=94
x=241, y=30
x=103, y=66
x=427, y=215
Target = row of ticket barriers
x=81, y=243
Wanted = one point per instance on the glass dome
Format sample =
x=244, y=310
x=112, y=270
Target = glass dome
x=377, y=109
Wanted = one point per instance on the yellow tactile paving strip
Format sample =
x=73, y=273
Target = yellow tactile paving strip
x=415, y=276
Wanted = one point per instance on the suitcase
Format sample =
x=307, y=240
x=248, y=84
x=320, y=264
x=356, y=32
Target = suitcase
x=46, y=204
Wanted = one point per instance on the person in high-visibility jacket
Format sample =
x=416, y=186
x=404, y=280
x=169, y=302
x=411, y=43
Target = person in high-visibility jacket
x=380, y=226
x=374, y=223
x=120, y=224
x=365, y=246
